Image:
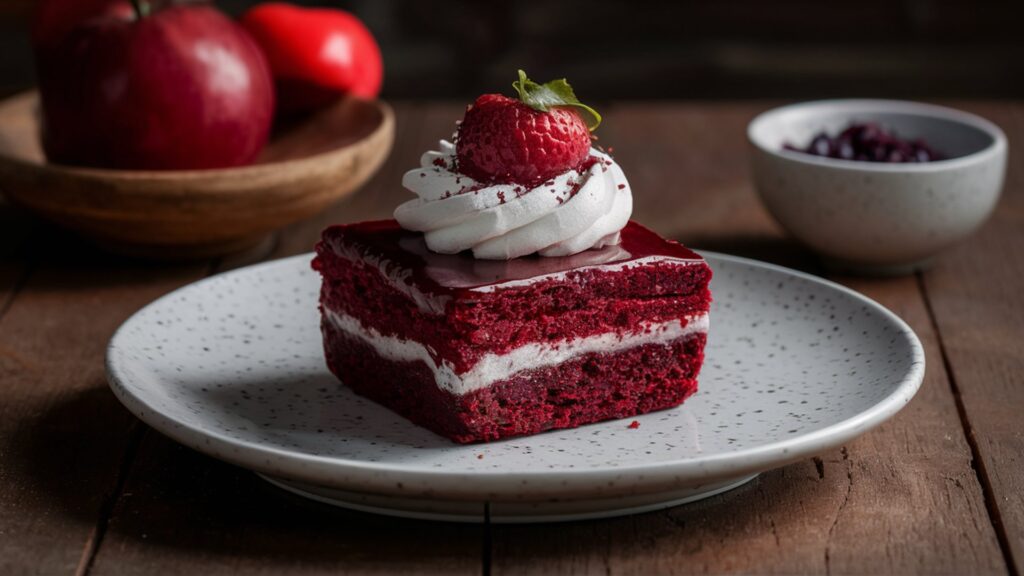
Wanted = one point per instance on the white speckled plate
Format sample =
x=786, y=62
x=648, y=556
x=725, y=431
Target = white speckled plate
x=232, y=366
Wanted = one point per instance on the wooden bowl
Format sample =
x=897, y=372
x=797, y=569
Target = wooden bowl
x=197, y=213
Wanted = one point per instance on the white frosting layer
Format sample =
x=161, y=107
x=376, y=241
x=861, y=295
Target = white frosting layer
x=493, y=368
x=569, y=214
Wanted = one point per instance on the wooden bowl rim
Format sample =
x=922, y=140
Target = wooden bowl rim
x=387, y=120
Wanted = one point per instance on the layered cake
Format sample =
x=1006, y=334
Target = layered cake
x=513, y=295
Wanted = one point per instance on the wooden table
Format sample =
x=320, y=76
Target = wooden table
x=85, y=488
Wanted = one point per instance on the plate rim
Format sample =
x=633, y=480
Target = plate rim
x=380, y=477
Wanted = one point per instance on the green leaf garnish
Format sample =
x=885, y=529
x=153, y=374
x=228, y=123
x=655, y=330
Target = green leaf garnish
x=542, y=97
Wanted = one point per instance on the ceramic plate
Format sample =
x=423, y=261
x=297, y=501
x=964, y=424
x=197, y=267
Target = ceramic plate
x=232, y=366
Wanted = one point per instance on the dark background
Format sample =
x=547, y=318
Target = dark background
x=742, y=49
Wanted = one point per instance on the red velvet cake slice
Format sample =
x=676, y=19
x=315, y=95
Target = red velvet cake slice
x=477, y=350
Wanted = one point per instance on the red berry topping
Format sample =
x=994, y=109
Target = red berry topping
x=504, y=140
x=527, y=140
x=868, y=142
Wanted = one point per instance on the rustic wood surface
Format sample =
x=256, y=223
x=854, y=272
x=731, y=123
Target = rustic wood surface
x=87, y=489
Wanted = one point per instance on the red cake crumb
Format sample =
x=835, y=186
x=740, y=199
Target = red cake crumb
x=634, y=425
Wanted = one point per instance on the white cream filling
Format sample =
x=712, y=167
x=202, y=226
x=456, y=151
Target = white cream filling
x=493, y=368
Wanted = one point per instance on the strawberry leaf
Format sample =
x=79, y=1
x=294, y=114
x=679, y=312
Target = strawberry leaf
x=542, y=97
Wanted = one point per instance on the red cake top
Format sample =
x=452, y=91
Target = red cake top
x=403, y=256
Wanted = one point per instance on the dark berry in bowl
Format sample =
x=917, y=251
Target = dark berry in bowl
x=868, y=142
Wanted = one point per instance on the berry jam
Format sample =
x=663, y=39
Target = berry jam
x=868, y=142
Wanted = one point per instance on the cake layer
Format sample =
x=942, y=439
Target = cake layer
x=591, y=387
x=385, y=278
x=491, y=368
x=435, y=278
x=547, y=313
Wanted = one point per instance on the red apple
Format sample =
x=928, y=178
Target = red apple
x=183, y=87
x=317, y=55
x=52, y=20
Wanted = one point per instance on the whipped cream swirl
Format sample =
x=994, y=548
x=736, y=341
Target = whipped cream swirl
x=575, y=211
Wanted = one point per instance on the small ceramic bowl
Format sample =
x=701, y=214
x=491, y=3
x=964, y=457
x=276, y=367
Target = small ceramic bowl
x=184, y=214
x=876, y=217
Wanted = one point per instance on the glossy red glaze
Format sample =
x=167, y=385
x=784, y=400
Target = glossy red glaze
x=182, y=88
x=386, y=241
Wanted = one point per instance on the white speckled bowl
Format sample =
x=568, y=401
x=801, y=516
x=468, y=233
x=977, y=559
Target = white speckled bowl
x=874, y=217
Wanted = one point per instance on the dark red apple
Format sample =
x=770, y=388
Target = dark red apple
x=182, y=87
x=52, y=20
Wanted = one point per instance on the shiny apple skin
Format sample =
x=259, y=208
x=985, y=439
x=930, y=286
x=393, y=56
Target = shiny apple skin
x=182, y=88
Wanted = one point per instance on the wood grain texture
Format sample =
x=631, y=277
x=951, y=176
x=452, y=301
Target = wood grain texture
x=902, y=499
x=975, y=294
x=84, y=487
x=182, y=512
x=63, y=436
x=185, y=513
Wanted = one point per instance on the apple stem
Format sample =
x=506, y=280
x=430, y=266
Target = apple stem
x=141, y=8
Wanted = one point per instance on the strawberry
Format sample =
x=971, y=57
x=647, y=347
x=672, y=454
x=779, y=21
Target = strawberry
x=527, y=140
